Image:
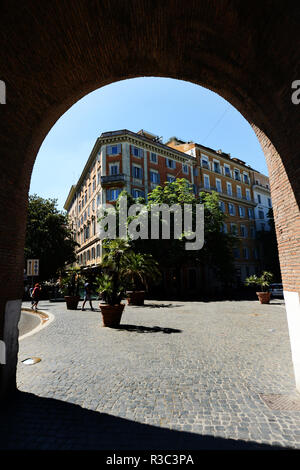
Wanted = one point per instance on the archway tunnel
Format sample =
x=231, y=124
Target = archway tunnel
x=53, y=54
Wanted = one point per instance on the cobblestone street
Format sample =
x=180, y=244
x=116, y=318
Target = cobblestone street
x=175, y=375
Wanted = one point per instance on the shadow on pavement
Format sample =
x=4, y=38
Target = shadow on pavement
x=35, y=423
x=156, y=306
x=147, y=329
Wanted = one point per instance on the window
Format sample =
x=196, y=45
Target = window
x=79, y=207
x=224, y=229
x=89, y=191
x=261, y=214
x=233, y=228
x=245, y=252
x=250, y=213
x=237, y=175
x=154, y=177
x=242, y=211
x=236, y=253
x=136, y=152
x=231, y=209
x=98, y=177
x=195, y=171
x=206, y=182
x=252, y=232
x=246, y=178
x=93, y=253
x=259, y=199
x=185, y=169
x=269, y=202
x=114, y=169
x=217, y=168
x=137, y=172
x=98, y=199
x=85, y=197
x=170, y=178
x=137, y=193
x=262, y=226
x=227, y=170
x=229, y=189
x=98, y=251
x=248, y=195
x=170, y=163
x=113, y=149
x=219, y=186
x=204, y=163
x=113, y=194
x=153, y=157
x=239, y=192
x=94, y=184
x=243, y=231
x=222, y=206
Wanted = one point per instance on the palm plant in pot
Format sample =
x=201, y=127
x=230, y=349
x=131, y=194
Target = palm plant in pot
x=112, y=285
x=263, y=282
x=70, y=284
x=140, y=270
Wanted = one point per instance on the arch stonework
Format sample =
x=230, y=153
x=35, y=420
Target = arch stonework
x=53, y=53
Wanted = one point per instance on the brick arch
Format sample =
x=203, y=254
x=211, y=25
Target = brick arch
x=53, y=54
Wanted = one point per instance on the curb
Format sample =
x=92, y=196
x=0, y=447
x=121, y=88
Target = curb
x=45, y=319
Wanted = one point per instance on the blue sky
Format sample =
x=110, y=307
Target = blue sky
x=163, y=106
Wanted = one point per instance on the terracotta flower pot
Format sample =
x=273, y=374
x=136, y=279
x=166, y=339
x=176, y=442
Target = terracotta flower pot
x=111, y=314
x=136, y=297
x=72, y=301
x=264, y=297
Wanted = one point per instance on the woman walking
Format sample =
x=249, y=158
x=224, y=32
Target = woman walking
x=36, y=296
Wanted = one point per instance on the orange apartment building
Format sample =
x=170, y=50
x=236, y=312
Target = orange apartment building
x=138, y=162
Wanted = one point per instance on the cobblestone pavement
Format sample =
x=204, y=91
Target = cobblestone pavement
x=175, y=375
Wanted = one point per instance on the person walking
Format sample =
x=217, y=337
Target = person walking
x=87, y=295
x=36, y=296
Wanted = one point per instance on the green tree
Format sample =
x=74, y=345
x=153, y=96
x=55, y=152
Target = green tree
x=48, y=236
x=218, y=246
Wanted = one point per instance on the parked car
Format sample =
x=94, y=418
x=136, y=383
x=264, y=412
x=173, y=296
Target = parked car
x=276, y=290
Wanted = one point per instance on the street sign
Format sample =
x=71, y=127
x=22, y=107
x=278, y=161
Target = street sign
x=33, y=266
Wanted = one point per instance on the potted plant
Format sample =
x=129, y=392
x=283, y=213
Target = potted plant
x=70, y=284
x=112, y=285
x=139, y=271
x=263, y=281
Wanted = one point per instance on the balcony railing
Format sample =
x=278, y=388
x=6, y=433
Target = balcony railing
x=111, y=179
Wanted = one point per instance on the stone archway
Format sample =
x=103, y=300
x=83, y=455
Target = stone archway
x=53, y=54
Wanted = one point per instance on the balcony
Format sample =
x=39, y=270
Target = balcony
x=113, y=179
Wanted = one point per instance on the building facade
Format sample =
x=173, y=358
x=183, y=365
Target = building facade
x=138, y=162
